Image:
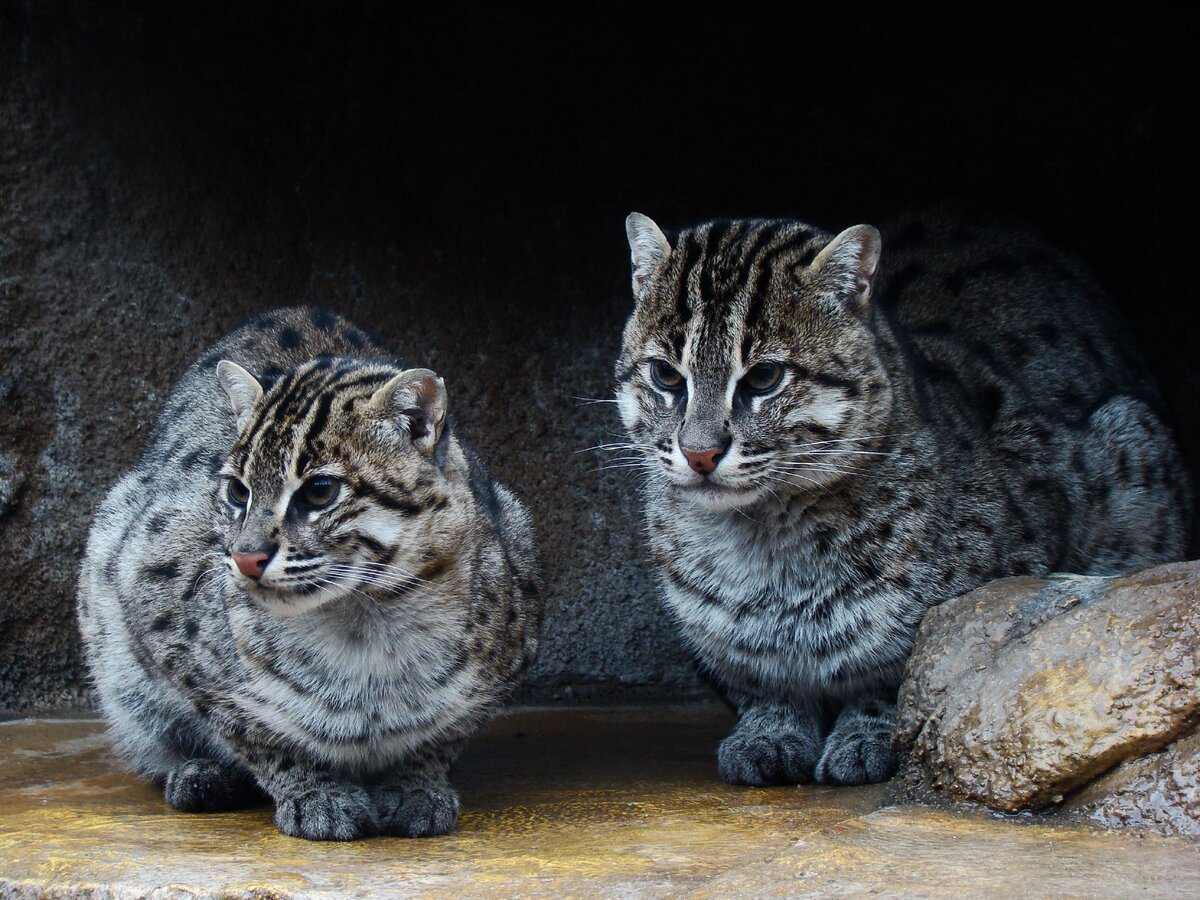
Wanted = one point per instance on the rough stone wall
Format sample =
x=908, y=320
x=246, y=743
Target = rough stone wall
x=456, y=181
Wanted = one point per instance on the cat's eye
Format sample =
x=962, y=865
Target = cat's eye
x=237, y=492
x=665, y=376
x=319, y=492
x=763, y=377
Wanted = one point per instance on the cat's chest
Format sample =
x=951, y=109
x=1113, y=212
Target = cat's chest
x=355, y=692
x=769, y=560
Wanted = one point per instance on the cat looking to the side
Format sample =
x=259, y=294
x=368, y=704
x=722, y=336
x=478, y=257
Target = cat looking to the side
x=838, y=432
x=307, y=587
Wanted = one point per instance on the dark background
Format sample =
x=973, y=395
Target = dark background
x=456, y=180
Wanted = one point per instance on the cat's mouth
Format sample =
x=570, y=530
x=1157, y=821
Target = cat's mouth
x=287, y=599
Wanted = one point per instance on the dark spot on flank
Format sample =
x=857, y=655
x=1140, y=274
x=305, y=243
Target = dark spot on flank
x=163, y=571
x=157, y=524
x=289, y=339
x=987, y=404
x=323, y=319
x=191, y=629
x=192, y=460
x=161, y=623
x=1048, y=332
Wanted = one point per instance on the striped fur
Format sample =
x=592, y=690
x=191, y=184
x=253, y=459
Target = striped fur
x=383, y=631
x=958, y=402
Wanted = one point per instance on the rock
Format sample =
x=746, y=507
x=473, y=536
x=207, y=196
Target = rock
x=1027, y=689
x=1159, y=792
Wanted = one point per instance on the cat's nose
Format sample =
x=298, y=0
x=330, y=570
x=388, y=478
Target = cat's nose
x=703, y=461
x=251, y=564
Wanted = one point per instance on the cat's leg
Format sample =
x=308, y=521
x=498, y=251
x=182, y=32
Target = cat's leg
x=858, y=749
x=311, y=802
x=418, y=800
x=772, y=744
x=207, y=785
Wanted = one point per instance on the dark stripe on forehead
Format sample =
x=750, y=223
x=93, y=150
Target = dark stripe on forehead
x=315, y=426
x=691, y=252
x=761, y=235
x=767, y=264
x=290, y=407
x=267, y=409
x=714, y=236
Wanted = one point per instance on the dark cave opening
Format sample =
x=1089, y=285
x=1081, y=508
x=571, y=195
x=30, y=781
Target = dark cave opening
x=456, y=178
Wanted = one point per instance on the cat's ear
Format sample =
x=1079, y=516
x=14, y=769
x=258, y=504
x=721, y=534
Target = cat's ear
x=243, y=389
x=416, y=400
x=648, y=248
x=846, y=267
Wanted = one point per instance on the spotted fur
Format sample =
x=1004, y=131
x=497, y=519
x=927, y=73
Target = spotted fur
x=956, y=402
x=384, y=628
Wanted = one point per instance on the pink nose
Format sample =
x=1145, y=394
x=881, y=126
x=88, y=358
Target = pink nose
x=250, y=564
x=703, y=461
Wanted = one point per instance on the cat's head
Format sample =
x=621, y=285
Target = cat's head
x=335, y=485
x=749, y=369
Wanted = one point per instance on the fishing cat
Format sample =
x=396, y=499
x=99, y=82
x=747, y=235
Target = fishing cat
x=307, y=587
x=838, y=432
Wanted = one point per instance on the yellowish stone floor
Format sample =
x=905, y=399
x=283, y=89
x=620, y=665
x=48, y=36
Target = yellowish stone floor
x=613, y=802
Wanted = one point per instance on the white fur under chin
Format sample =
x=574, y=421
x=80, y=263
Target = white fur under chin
x=716, y=499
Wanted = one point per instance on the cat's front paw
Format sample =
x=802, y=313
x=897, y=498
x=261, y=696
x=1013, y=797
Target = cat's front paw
x=416, y=810
x=762, y=759
x=204, y=785
x=857, y=757
x=327, y=814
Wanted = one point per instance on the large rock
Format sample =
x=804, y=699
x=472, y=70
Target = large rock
x=1159, y=792
x=1025, y=690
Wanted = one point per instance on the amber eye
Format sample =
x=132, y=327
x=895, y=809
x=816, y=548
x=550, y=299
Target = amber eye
x=237, y=492
x=666, y=376
x=763, y=377
x=319, y=492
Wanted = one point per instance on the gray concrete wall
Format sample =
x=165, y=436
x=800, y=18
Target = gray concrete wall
x=457, y=184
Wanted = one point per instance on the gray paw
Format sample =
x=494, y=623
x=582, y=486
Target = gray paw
x=760, y=759
x=857, y=756
x=203, y=785
x=416, y=810
x=327, y=814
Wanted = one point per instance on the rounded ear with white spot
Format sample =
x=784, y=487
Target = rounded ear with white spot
x=846, y=267
x=648, y=248
x=242, y=388
x=416, y=401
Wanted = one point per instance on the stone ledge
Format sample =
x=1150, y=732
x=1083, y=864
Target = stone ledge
x=584, y=802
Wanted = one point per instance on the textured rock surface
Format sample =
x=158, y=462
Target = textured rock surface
x=1159, y=792
x=456, y=176
x=1024, y=690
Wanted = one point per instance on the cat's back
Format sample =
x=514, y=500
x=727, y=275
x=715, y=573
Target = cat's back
x=986, y=314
